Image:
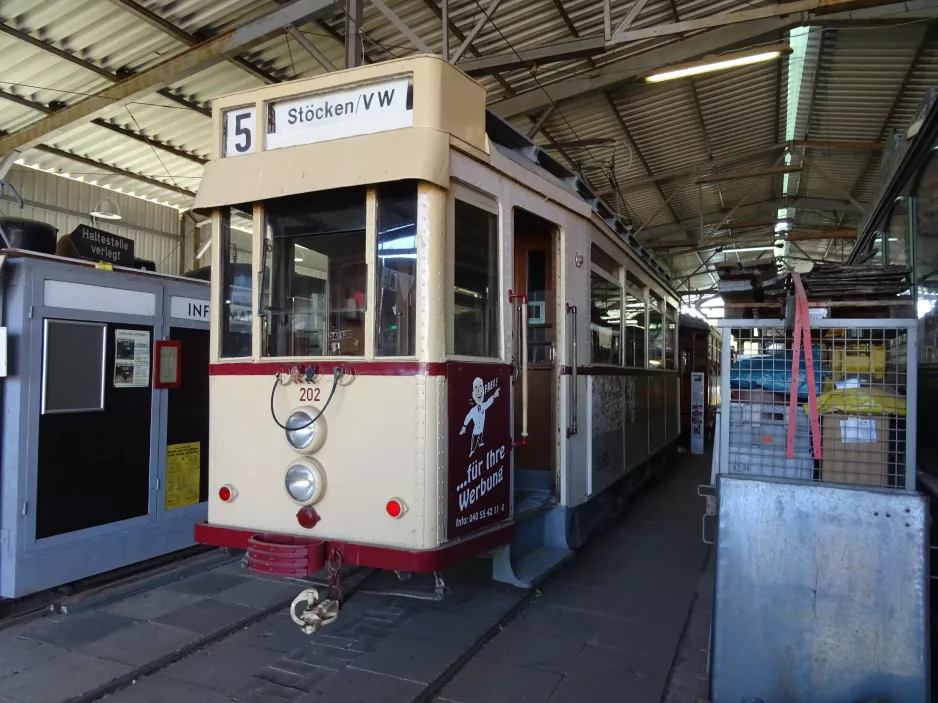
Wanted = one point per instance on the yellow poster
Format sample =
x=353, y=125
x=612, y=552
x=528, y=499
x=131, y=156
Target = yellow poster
x=182, y=474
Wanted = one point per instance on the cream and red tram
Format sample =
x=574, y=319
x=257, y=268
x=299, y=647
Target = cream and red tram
x=372, y=398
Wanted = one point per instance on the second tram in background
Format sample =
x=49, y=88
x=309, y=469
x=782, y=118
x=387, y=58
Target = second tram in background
x=446, y=346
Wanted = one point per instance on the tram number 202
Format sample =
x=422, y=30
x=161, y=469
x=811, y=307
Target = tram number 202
x=309, y=395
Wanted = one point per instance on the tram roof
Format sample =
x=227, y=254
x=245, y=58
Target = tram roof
x=855, y=75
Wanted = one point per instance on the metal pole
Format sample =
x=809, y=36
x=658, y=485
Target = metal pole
x=182, y=244
x=354, y=51
x=700, y=192
x=445, y=9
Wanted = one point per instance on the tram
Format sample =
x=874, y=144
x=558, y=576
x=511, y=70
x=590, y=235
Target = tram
x=453, y=347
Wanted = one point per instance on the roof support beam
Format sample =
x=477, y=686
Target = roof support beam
x=184, y=37
x=542, y=118
x=402, y=27
x=88, y=66
x=834, y=184
x=168, y=71
x=734, y=35
x=743, y=157
x=117, y=171
x=804, y=8
x=310, y=48
x=124, y=132
x=486, y=16
x=747, y=173
x=821, y=234
x=639, y=66
x=693, y=169
x=550, y=53
x=630, y=18
x=767, y=237
x=755, y=209
x=839, y=144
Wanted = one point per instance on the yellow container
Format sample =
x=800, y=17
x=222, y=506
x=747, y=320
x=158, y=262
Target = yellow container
x=861, y=360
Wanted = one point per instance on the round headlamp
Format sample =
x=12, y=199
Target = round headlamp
x=303, y=434
x=305, y=481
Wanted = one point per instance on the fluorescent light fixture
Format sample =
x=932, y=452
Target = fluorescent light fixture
x=720, y=63
x=298, y=259
x=744, y=249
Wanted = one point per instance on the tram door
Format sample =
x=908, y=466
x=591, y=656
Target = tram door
x=535, y=273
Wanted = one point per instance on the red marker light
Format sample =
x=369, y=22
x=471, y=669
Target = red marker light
x=395, y=507
x=227, y=493
x=307, y=517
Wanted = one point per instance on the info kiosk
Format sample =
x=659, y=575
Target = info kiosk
x=104, y=386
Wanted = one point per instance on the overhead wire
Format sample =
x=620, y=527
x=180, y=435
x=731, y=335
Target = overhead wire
x=18, y=84
x=553, y=103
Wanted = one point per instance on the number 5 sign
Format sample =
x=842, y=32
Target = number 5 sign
x=240, y=131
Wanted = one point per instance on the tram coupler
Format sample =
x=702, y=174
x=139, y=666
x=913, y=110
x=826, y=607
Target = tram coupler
x=316, y=614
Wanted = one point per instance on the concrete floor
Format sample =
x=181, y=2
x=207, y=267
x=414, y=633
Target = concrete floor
x=626, y=620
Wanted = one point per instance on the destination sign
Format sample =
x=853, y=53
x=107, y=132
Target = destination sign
x=364, y=109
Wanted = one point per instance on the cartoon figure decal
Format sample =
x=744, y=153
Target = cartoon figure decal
x=479, y=473
x=477, y=414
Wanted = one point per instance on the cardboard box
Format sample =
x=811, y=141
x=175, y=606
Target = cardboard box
x=855, y=449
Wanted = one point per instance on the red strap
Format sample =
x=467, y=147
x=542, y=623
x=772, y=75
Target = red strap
x=803, y=332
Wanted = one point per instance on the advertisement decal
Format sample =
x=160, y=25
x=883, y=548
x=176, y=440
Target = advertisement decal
x=479, y=447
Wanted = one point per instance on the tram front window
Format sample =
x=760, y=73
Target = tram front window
x=236, y=242
x=315, y=275
x=396, y=264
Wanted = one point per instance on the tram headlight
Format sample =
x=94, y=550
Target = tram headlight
x=303, y=433
x=305, y=481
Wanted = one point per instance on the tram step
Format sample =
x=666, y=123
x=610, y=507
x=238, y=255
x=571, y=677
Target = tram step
x=530, y=569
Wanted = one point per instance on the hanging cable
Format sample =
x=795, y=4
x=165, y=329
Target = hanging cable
x=336, y=375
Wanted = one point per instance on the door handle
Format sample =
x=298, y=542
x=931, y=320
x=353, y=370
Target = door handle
x=522, y=300
x=573, y=428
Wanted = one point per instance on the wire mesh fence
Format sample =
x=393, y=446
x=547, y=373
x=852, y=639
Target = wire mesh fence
x=865, y=385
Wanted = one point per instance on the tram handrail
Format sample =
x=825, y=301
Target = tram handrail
x=574, y=426
x=524, y=369
x=523, y=330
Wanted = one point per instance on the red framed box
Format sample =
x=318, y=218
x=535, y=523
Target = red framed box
x=167, y=364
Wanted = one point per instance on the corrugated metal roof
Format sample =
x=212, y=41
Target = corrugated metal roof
x=867, y=81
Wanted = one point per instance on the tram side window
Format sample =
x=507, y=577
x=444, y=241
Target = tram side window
x=475, y=282
x=237, y=241
x=315, y=274
x=396, y=269
x=605, y=311
x=926, y=228
x=634, y=331
x=670, y=340
x=897, y=234
x=655, y=333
